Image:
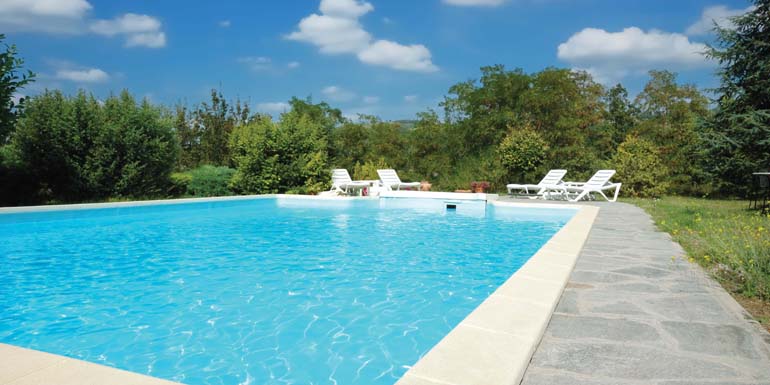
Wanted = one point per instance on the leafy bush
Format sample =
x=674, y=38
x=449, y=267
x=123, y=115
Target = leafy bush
x=256, y=149
x=522, y=152
x=179, y=183
x=368, y=170
x=210, y=181
x=78, y=149
x=640, y=168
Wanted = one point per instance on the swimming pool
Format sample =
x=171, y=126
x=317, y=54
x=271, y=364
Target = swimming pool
x=261, y=291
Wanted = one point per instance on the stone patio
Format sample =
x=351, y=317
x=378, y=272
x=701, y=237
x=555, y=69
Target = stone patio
x=635, y=311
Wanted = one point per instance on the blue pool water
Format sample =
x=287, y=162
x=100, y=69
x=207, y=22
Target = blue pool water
x=263, y=291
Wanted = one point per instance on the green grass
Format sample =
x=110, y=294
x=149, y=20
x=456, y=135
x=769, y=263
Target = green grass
x=723, y=236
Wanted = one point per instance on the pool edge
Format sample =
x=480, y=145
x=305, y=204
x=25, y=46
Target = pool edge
x=495, y=342
x=22, y=366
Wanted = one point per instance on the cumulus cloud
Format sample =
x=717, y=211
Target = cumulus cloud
x=293, y=64
x=71, y=16
x=224, y=23
x=273, y=107
x=371, y=99
x=87, y=75
x=610, y=56
x=717, y=15
x=410, y=98
x=386, y=53
x=337, y=30
x=53, y=16
x=138, y=30
x=474, y=3
x=338, y=94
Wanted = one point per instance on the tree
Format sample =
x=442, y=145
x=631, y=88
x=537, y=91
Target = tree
x=206, y=141
x=12, y=78
x=640, y=168
x=670, y=118
x=738, y=135
x=522, y=152
x=75, y=148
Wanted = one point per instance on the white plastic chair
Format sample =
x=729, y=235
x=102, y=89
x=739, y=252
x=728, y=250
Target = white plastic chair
x=552, y=178
x=390, y=180
x=342, y=182
x=598, y=183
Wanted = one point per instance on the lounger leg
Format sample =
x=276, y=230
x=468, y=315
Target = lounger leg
x=580, y=196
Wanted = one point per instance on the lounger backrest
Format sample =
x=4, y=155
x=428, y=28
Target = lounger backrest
x=389, y=177
x=340, y=176
x=601, y=178
x=553, y=177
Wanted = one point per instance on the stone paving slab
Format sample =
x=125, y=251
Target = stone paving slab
x=636, y=312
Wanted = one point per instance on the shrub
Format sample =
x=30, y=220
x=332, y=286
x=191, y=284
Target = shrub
x=256, y=149
x=640, y=168
x=210, y=181
x=179, y=183
x=522, y=152
x=368, y=170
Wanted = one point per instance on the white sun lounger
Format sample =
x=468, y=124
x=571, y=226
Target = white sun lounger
x=598, y=183
x=341, y=182
x=553, y=178
x=390, y=180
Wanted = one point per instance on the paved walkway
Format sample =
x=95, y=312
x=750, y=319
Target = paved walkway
x=632, y=315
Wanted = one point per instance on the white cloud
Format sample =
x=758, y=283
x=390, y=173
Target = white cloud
x=338, y=94
x=401, y=57
x=88, y=75
x=337, y=30
x=332, y=35
x=139, y=30
x=474, y=3
x=610, y=56
x=273, y=107
x=349, y=9
x=371, y=99
x=224, y=23
x=256, y=63
x=410, y=98
x=293, y=64
x=719, y=15
x=52, y=16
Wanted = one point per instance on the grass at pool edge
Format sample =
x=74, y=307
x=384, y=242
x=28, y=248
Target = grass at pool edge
x=731, y=242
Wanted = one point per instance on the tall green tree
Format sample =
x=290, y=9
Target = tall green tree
x=671, y=116
x=206, y=140
x=12, y=79
x=738, y=134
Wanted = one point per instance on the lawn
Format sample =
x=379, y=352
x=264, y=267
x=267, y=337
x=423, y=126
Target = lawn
x=728, y=240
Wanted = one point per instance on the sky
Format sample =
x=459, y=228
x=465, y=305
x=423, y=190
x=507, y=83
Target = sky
x=391, y=58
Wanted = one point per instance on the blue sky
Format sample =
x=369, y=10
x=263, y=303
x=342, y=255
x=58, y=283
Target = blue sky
x=390, y=58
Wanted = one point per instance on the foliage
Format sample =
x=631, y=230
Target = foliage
x=256, y=150
x=75, y=148
x=640, y=168
x=522, y=152
x=738, y=135
x=178, y=183
x=210, y=181
x=12, y=79
x=731, y=242
x=204, y=132
x=368, y=170
x=670, y=117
